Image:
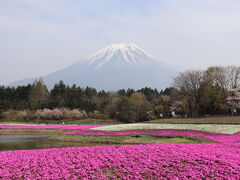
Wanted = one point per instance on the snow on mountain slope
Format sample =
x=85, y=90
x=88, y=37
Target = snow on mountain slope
x=122, y=65
x=119, y=55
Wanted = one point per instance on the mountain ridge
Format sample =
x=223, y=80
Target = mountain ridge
x=120, y=65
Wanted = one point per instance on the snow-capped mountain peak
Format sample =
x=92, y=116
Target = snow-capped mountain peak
x=122, y=65
x=119, y=54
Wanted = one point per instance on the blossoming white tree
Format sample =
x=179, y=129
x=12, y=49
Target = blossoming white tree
x=233, y=100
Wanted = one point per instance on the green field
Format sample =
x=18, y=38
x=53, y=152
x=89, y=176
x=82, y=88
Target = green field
x=87, y=121
x=228, y=125
x=56, y=138
x=91, y=140
x=205, y=120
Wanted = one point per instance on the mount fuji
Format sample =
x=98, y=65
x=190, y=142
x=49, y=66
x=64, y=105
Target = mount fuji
x=122, y=65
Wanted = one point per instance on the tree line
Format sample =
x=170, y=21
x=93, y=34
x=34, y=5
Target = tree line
x=205, y=92
x=193, y=93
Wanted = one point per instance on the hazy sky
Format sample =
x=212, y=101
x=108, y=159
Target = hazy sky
x=42, y=36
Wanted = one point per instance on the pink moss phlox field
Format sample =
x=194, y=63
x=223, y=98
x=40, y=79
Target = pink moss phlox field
x=220, y=160
x=217, y=137
x=156, y=161
x=50, y=127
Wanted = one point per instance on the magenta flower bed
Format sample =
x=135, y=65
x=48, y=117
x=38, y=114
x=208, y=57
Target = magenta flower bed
x=219, y=160
x=218, y=137
x=50, y=127
x=164, y=161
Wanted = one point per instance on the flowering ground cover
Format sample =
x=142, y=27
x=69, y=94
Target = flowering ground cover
x=218, y=128
x=49, y=127
x=217, y=137
x=218, y=160
x=157, y=161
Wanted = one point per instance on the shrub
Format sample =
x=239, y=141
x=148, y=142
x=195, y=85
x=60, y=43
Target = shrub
x=48, y=114
x=66, y=113
x=21, y=115
x=44, y=114
x=10, y=114
x=30, y=115
x=146, y=117
x=57, y=114
x=77, y=114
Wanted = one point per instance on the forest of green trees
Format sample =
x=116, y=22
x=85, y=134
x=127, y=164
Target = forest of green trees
x=193, y=93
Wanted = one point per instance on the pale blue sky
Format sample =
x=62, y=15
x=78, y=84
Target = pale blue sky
x=41, y=36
